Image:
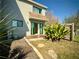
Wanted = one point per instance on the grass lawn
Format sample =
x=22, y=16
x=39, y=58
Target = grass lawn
x=64, y=49
x=77, y=38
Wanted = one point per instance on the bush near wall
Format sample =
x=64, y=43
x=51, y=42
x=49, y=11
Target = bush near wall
x=55, y=31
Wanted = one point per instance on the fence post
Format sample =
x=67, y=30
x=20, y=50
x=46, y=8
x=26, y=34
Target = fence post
x=72, y=31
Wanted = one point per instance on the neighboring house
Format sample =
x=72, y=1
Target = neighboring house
x=29, y=17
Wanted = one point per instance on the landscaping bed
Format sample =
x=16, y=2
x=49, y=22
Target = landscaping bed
x=63, y=49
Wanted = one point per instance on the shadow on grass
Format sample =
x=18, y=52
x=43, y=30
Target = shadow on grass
x=75, y=41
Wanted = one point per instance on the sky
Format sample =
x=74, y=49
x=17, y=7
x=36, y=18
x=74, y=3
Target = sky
x=61, y=8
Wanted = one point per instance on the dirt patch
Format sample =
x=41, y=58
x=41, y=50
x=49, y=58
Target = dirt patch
x=40, y=45
x=52, y=54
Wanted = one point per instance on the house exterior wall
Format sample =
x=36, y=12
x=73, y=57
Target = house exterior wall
x=44, y=12
x=25, y=13
x=13, y=9
x=0, y=4
x=19, y=10
x=0, y=9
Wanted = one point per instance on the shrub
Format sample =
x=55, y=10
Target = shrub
x=55, y=31
x=5, y=20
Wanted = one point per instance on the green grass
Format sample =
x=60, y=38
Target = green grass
x=64, y=49
x=77, y=38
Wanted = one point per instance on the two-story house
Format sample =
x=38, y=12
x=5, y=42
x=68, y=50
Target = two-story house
x=28, y=17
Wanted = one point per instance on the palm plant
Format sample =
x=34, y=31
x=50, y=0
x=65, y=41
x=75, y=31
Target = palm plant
x=56, y=31
x=4, y=28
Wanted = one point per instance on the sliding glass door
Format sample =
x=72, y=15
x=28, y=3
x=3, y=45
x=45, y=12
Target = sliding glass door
x=41, y=28
x=36, y=28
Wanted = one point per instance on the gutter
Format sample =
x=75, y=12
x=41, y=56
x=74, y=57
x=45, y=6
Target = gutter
x=38, y=4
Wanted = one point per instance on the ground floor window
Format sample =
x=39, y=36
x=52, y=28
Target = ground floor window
x=36, y=27
x=17, y=23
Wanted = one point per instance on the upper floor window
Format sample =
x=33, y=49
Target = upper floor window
x=17, y=23
x=37, y=10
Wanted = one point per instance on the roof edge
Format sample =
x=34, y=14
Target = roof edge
x=41, y=5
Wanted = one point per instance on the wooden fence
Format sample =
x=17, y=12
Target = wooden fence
x=70, y=36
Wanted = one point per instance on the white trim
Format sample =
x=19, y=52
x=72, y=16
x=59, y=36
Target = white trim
x=38, y=4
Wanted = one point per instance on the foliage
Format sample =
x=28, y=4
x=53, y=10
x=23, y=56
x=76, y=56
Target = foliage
x=5, y=19
x=73, y=19
x=55, y=31
x=51, y=18
x=76, y=38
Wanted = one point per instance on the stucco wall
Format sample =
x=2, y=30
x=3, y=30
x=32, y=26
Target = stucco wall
x=43, y=12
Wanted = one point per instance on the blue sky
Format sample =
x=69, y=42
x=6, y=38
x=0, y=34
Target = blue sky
x=61, y=8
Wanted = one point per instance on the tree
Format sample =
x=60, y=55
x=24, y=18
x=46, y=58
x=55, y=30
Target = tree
x=73, y=19
x=51, y=18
